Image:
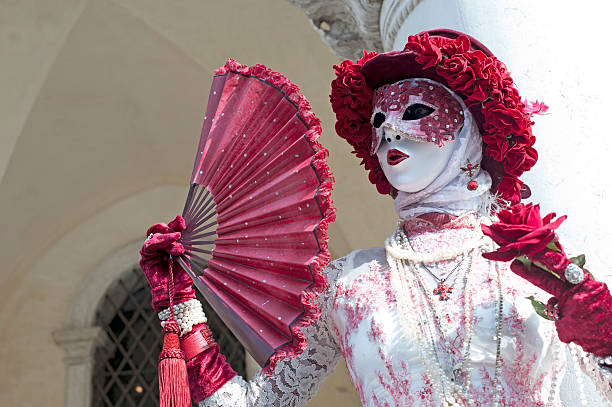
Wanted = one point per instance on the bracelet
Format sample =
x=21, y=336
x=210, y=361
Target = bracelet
x=179, y=308
x=187, y=315
x=197, y=343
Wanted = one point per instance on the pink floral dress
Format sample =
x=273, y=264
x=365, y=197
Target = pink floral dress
x=361, y=321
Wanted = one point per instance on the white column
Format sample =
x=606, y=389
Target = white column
x=80, y=345
x=558, y=52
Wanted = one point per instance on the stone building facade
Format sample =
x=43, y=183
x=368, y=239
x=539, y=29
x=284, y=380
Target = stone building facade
x=101, y=108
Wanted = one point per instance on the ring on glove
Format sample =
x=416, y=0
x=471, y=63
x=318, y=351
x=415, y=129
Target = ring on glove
x=574, y=274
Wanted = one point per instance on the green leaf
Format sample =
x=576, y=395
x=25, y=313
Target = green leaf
x=525, y=260
x=553, y=246
x=578, y=260
x=539, y=307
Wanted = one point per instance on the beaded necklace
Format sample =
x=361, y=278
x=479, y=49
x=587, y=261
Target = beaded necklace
x=442, y=289
x=452, y=391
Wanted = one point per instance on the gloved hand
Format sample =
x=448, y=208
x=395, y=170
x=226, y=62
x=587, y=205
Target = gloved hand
x=584, y=309
x=162, y=242
x=585, y=316
x=555, y=261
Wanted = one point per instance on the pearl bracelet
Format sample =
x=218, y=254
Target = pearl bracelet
x=187, y=315
x=179, y=308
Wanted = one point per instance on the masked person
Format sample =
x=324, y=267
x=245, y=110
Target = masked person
x=427, y=320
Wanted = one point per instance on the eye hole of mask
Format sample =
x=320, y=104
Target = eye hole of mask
x=379, y=119
x=417, y=111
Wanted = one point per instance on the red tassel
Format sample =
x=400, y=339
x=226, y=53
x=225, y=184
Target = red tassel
x=172, y=368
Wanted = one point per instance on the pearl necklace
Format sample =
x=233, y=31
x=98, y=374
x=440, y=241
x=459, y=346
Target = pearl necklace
x=407, y=253
x=436, y=313
x=448, y=390
x=442, y=289
x=574, y=352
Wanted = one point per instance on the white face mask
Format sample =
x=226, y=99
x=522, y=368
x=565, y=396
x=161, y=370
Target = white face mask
x=409, y=165
x=416, y=122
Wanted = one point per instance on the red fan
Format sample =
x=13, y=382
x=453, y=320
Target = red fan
x=258, y=210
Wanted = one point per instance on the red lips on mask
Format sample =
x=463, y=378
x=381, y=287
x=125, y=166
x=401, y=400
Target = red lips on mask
x=395, y=156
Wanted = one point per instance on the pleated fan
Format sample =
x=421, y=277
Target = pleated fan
x=258, y=210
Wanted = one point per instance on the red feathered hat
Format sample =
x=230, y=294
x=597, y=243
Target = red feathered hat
x=465, y=66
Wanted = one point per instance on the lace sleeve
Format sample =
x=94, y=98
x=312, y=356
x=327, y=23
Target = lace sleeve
x=295, y=381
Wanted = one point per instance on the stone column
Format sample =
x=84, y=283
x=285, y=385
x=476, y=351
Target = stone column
x=80, y=345
x=557, y=52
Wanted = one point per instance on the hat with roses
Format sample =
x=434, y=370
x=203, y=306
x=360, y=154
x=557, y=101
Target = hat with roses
x=464, y=65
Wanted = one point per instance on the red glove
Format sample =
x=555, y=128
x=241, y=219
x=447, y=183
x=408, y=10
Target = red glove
x=585, y=312
x=208, y=371
x=584, y=309
x=162, y=242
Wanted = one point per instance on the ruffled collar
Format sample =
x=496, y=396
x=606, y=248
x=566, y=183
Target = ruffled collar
x=434, y=222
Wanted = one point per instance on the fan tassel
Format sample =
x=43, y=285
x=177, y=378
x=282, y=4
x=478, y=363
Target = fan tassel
x=172, y=368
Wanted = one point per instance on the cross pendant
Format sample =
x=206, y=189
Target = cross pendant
x=443, y=290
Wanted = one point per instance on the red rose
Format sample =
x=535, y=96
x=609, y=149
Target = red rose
x=345, y=66
x=354, y=130
x=366, y=57
x=510, y=189
x=349, y=88
x=526, y=138
x=428, y=53
x=501, y=117
x=521, y=231
x=361, y=114
x=520, y=159
x=496, y=74
x=341, y=98
x=349, y=77
x=458, y=45
x=457, y=72
x=497, y=146
x=477, y=94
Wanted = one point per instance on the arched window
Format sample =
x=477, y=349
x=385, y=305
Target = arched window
x=125, y=373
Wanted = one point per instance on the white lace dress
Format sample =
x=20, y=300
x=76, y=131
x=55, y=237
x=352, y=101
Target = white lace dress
x=360, y=321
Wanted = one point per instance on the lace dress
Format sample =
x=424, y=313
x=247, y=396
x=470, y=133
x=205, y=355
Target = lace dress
x=360, y=320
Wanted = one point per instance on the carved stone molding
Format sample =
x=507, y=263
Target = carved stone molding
x=80, y=344
x=347, y=26
x=393, y=13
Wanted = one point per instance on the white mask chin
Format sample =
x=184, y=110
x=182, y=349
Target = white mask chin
x=410, y=166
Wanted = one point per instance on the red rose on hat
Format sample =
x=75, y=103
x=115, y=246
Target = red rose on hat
x=520, y=158
x=428, y=53
x=510, y=188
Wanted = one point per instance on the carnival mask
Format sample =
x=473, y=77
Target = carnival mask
x=415, y=122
